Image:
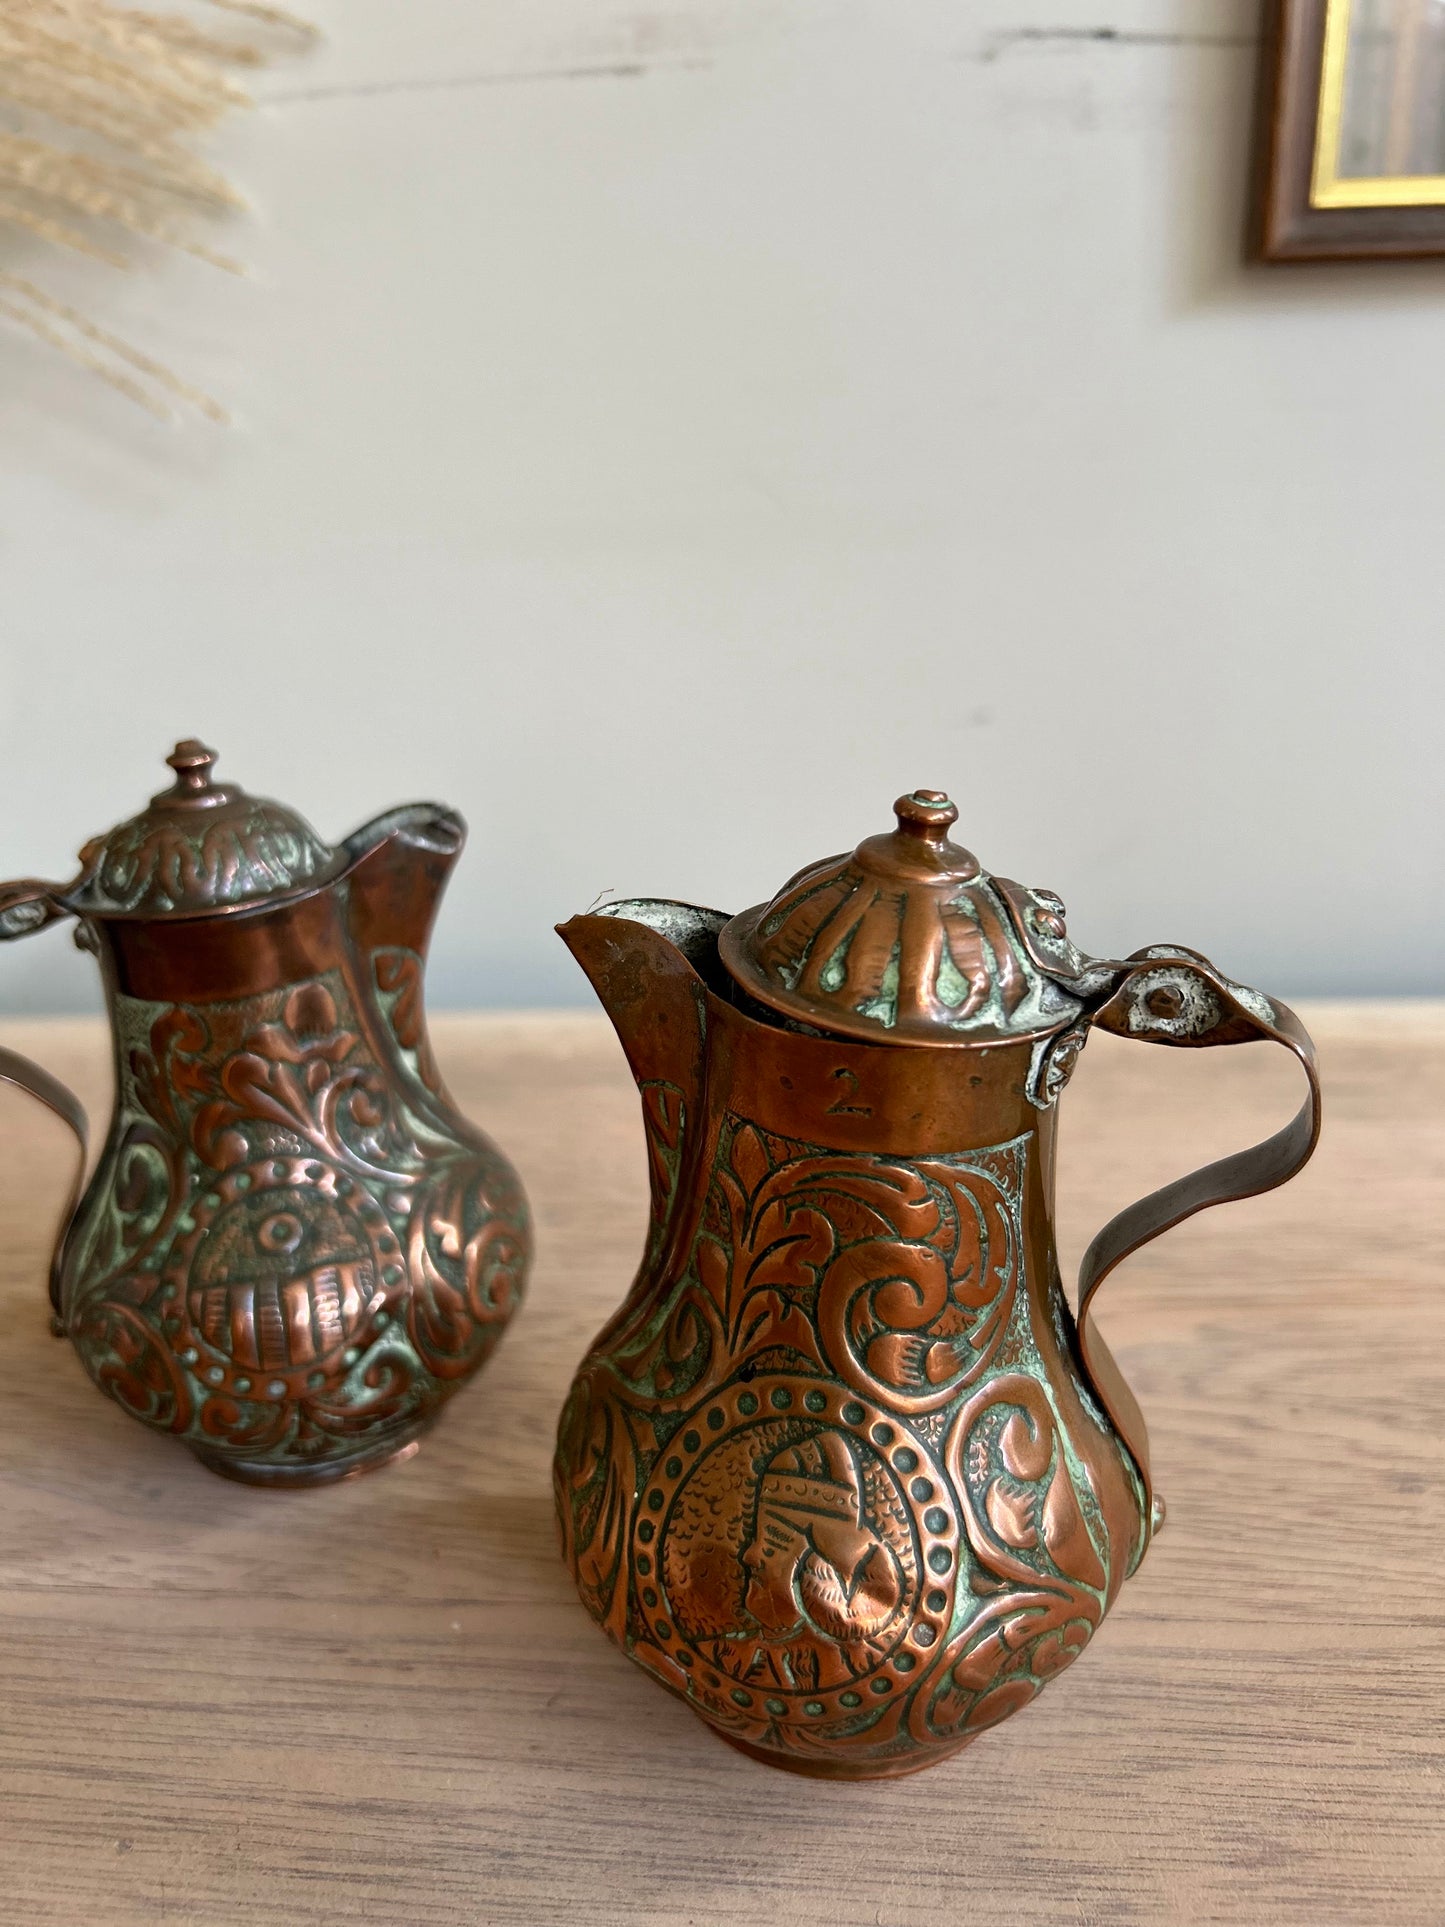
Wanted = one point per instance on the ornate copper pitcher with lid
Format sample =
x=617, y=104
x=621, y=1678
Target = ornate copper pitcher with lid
x=844, y=1471
x=293, y=1249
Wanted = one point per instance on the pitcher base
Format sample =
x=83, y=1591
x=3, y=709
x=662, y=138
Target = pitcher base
x=835, y=1769
x=300, y=1477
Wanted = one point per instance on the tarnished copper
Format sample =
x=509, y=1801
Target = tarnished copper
x=293, y=1249
x=843, y=1471
x=907, y=940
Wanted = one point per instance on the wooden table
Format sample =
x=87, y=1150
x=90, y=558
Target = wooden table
x=382, y=1704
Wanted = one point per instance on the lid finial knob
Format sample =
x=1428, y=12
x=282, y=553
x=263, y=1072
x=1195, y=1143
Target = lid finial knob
x=906, y=939
x=926, y=813
x=191, y=761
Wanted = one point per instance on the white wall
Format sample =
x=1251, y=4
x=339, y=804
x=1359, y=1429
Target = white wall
x=671, y=430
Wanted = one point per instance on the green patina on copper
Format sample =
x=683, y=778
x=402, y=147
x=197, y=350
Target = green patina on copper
x=293, y=1250
x=262, y=1263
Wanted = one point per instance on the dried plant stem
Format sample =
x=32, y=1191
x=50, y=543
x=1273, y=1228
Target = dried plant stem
x=36, y=326
x=108, y=101
x=102, y=338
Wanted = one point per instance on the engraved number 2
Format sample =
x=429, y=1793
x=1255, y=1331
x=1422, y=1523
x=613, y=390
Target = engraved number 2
x=850, y=1089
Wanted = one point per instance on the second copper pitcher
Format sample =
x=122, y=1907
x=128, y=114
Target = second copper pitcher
x=293, y=1248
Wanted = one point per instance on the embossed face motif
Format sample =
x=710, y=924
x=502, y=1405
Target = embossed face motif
x=815, y=1558
x=772, y=1557
x=283, y=1279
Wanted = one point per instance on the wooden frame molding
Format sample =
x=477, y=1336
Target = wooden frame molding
x=1302, y=210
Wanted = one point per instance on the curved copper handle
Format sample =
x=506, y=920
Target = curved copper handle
x=1175, y=996
x=28, y=905
x=57, y=1097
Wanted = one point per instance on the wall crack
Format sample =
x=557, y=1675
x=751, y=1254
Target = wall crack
x=1010, y=38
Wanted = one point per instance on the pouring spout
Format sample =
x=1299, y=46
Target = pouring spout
x=397, y=868
x=650, y=962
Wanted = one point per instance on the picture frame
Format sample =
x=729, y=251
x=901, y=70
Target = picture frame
x=1351, y=162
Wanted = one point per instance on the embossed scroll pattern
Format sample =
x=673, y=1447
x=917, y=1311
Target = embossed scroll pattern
x=285, y=1256
x=820, y=1488
x=233, y=856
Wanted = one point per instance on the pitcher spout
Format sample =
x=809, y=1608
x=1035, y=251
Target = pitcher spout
x=651, y=963
x=396, y=868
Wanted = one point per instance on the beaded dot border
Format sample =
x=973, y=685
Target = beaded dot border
x=215, y=1370
x=921, y=1484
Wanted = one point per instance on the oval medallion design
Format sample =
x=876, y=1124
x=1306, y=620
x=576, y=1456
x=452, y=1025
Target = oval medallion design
x=290, y=1264
x=828, y=1590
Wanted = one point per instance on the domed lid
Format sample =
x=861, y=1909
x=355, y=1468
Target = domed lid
x=909, y=940
x=199, y=846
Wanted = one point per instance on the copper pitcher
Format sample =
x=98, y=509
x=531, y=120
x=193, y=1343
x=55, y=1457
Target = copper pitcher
x=844, y=1471
x=293, y=1249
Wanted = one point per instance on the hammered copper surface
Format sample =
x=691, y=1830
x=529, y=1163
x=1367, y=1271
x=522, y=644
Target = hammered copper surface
x=842, y=1472
x=293, y=1249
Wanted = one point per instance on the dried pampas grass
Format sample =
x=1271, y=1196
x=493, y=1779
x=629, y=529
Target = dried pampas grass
x=100, y=107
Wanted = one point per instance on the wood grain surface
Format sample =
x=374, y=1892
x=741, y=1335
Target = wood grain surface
x=382, y=1704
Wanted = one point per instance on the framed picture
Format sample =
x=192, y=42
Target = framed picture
x=1352, y=149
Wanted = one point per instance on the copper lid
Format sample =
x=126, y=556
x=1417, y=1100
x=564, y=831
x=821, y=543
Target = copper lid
x=199, y=846
x=909, y=940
